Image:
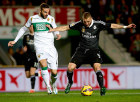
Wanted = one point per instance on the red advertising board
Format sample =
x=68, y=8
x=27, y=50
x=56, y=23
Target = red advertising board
x=83, y=76
x=2, y=80
x=17, y=16
x=14, y=79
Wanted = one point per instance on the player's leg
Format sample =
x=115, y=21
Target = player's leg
x=27, y=73
x=53, y=65
x=76, y=61
x=32, y=79
x=45, y=74
x=53, y=80
x=100, y=79
x=70, y=69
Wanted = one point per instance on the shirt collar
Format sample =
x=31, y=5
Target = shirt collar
x=91, y=23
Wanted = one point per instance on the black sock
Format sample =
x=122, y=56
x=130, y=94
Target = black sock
x=36, y=74
x=32, y=79
x=100, y=78
x=70, y=75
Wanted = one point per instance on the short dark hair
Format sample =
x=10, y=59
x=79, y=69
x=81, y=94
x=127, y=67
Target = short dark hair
x=44, y=5
x=86, y=15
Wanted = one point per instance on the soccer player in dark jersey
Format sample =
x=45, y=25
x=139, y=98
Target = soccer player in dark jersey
x=30, y=60
x=88, y=50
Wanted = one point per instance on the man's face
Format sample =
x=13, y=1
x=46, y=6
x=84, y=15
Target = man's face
x=44, y=12
x=87, y=22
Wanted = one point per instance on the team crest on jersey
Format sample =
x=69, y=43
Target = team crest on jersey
x=94, y=27
x=48, y=19
x=27, y=39
x=38, y=56
x=83, y=29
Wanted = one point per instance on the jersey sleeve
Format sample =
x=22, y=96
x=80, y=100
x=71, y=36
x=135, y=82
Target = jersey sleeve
x=29, y=22
x=53, y=24
x=104, y=25
x=75, y=26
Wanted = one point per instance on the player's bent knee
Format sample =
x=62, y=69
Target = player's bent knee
x=71, y=67
x=97, y=66
x=54, y=72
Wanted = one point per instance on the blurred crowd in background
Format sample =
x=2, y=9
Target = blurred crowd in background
x=113, y=11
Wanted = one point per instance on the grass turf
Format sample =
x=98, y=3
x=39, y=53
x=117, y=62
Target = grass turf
x=73, y=96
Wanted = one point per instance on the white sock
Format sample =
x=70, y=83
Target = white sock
x=46, y=77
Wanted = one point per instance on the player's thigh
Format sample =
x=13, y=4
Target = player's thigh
x=41, y=57
x=53, y=66
x=27, y=73
x=71, y=66
x=96, y=66
x=32, y=71
x=54, y=71
x=43, y=62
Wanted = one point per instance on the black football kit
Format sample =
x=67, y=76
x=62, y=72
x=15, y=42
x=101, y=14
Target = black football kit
x=88, y=51
x=30, y=55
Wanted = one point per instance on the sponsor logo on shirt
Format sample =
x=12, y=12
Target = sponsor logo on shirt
x=88, y=35
x=40, y=27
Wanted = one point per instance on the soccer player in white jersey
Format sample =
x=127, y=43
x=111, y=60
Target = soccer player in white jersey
x=44, y=44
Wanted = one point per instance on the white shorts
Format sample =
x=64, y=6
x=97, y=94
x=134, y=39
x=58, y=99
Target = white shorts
x=48, y=53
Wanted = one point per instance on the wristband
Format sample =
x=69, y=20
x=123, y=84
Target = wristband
x=124, y=27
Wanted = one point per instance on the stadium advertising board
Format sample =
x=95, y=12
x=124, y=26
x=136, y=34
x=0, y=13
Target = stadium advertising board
x=17, y=16
x=14, y=80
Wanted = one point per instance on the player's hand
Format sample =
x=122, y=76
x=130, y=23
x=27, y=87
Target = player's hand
x=11, y=43
x=131, y=26
x=58, y=36
x=50, y=28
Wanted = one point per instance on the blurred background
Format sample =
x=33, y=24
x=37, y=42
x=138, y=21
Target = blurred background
x=118, y=46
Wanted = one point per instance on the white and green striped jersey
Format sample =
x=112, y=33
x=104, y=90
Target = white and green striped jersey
x=41, y=34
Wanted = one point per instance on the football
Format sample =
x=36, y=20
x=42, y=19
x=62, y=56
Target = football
x=86, y=90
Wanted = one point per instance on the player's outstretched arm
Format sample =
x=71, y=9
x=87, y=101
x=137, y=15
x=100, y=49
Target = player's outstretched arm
x=121, y=26
x=19, y=35
x=58, y=35
x=61, y=28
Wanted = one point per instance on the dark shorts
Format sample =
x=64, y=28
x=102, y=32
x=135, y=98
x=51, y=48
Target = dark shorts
x=30, y=60
x=86, y=56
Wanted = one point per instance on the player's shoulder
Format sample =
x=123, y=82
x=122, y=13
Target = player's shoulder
x=50, y=18
x=76, y=23
x=99, y=22
x=34, y=16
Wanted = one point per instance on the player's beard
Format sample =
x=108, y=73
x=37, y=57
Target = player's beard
x=42, y=16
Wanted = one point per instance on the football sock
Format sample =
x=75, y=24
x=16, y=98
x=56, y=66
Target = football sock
x=45, y=76
x=99, y=78
x=32, y=79
x=70, y=75
x=53, y=78
x=36, y=74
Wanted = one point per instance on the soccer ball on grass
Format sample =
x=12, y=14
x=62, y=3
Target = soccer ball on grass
x=86, y=90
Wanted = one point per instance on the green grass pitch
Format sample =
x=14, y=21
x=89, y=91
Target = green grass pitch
x=73, y=96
